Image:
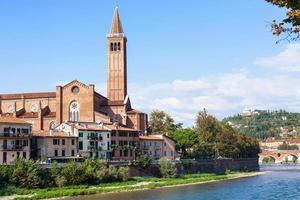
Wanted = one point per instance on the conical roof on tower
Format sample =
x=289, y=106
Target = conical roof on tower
x=116, y=26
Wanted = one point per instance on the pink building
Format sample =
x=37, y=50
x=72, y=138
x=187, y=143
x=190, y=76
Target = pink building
x=158, y=146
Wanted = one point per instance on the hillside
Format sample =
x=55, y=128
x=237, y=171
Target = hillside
x=263, y=124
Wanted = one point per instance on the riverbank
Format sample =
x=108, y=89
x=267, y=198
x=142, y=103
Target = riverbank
x=133, y=184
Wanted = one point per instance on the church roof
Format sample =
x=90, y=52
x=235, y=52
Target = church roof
x=12, y=120
x=28, y=95
x=116, y=26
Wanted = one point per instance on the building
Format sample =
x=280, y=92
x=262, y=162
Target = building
x=15, y=137
x=80, y=107
x=53, y=146
x=158, y=146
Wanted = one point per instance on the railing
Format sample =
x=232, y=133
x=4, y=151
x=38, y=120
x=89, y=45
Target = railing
x=16, y=135
x=92, y=138
x=12, y=147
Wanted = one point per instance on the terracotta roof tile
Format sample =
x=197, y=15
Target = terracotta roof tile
x=28, y=95
x=12, y=120
x=152, y=137
x=54, y=134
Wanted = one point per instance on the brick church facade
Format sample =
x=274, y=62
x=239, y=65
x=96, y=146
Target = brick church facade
x=75, y=109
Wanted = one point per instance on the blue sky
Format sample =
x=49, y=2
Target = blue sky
x=182, y=55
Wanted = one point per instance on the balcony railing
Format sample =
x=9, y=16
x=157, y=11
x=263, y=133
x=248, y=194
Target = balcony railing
x=15, y=135
x=12, y=147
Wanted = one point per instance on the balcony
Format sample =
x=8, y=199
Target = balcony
x=14, y=135
x=92, y=137
x=93, y=148
x=12, y=147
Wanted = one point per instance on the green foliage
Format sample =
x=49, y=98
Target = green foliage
x=26, y=174
x=266, y=124
x=143, y=161
x=185, y=140
x=219, y=139
x=5, y=173
x=72, y=173
x=285, y=146
x=162, y=123
x=291, y=24
x=167, y=168
x=123, y=173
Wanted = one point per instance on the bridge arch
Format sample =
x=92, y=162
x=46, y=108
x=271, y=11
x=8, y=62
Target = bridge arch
x=290, y=158
x=268, y=159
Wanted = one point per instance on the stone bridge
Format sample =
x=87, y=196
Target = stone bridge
x=279, y=156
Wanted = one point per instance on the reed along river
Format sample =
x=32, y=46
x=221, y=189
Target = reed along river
x=278, y=183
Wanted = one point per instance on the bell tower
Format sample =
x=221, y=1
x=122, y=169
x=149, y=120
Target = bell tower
x=117, y=62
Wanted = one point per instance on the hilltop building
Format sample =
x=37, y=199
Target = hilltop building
x=74, y=120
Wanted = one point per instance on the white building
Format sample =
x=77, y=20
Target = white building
x=94, y=139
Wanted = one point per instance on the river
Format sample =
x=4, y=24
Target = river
x=276, y=184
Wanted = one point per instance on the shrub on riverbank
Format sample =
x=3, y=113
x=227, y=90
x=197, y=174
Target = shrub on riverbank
x=167, y=168
x=29, y=174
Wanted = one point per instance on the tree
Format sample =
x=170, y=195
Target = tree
x=219, y=139
x=162, y=123
x=185, y=140
x=291, y=24
x=207, y=127
x=72, y=174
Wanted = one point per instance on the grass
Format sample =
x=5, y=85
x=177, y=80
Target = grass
x=133, y=184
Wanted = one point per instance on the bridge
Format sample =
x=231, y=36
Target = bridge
x=279, y=156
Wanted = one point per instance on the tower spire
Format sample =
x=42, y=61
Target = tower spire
x=116, y=26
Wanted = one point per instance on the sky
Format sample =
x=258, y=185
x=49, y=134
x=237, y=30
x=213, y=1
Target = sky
x=183, y=56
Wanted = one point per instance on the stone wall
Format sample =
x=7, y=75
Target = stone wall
x=202, y=166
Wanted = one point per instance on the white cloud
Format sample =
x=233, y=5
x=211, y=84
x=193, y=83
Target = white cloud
x=288, y=60
x=221, y=95
x=225, y=94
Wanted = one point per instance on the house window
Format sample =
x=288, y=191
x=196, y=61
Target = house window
x=4, y=157
x=74, y=111
x=121, y=153
x=80, y=134
x=80, y=145
x=125, y=153
x=73, y=153
x=107, y=135
x=73, y=142
x=165, y=153
x=130, y=152
x=24, y=155
x=55, y=153
x=55, y=142
x=63, y=142
x=63, y=152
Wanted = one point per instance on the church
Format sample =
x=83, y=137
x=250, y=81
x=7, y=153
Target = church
x=76, y=121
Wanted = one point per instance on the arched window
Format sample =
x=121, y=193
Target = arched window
x=119, y=46
x=115, y=46
x=112, y=46
x=74, y=111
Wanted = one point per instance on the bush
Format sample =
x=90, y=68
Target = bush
x=5, y=173
x=72, y=173
x=123, y=173
x=102, y=175
x=26, y=174
x=167, y=168
x=143, y=161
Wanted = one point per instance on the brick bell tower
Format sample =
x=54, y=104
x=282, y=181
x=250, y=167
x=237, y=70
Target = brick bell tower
x=117, y=62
